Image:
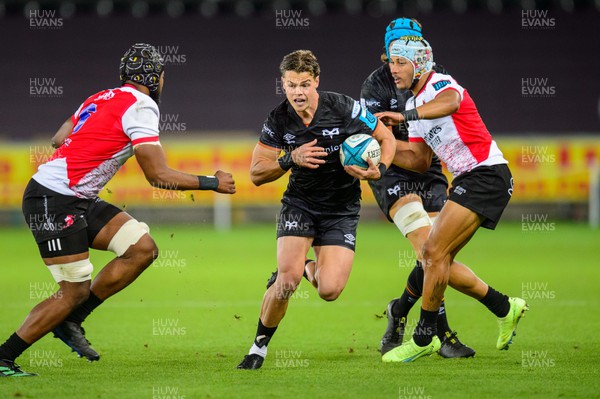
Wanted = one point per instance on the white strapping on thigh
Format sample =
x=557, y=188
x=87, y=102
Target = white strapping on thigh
x=129, y=234
x=74, y=272
x=411, y=217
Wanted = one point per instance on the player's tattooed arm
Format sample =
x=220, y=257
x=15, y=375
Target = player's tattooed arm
x=62, y=133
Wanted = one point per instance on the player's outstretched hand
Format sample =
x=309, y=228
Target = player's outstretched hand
x=226, y=182
x=371, y=173
x=389, y=118
x=309, y=155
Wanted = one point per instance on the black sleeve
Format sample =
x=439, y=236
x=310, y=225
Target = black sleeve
x=377, y=96
x=359, y=119
x=271, y=135
x=374, y=97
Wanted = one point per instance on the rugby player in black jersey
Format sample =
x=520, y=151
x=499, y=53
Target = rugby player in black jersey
x=412, y=201
x=321, y=204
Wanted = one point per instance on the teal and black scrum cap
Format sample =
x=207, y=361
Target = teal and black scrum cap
x=398, y=28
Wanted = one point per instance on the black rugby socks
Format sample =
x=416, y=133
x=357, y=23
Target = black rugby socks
x=263, y=336
x=426, y=328
x=83, y=311
x=442, y=322
x=411, y=293
x=496, y=302
x=13, y=347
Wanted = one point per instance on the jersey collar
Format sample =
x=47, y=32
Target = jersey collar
x=427, y=81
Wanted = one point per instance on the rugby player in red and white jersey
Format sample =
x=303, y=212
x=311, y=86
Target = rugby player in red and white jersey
x=443, y=119
x=66, y=217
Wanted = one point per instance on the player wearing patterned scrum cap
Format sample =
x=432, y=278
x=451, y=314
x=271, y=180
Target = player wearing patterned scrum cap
x=66, y=217
x=443, y=119
x=410, y=200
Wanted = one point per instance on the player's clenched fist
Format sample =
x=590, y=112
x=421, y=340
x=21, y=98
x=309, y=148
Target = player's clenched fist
x=226, y=182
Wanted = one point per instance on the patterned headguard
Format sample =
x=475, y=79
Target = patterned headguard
x=142, y=64
x=416, y=50
x=398, y=28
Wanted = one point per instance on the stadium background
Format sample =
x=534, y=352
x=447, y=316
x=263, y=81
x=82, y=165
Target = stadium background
x=531, y=68
x=528, y=65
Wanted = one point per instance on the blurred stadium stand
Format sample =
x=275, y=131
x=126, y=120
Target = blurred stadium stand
x=222, y=78
x=247, y=8
x=231, y=62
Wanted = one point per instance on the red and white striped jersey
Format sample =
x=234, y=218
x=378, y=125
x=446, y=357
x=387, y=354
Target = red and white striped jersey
x=106, y=128
x=461, y=140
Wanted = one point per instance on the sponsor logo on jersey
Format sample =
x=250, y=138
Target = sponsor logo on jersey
x=331, y=133
x=393, y=103
x=432, y=138
x=289, y=138
x=266, y=130
x=332, y=148
x=441, y=84
x=349, y=239
x=371, y=103
x=106, y=96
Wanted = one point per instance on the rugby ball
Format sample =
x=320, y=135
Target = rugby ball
x=357, y=148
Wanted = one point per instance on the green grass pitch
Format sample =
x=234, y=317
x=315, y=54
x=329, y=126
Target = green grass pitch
x=180, y=330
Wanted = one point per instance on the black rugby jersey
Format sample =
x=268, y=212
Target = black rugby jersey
x=328, y=188
x=379, y=94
